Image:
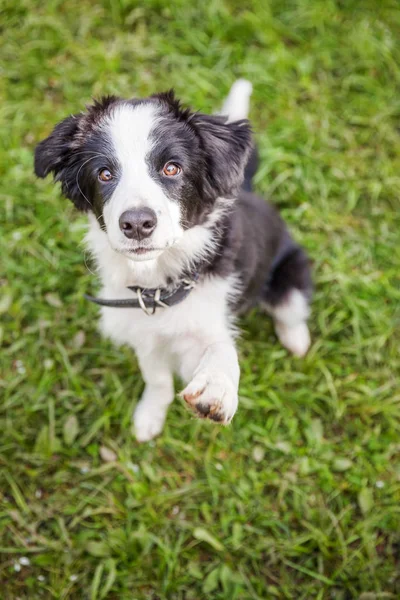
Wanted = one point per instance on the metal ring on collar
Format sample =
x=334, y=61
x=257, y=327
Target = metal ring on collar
x=142, y=303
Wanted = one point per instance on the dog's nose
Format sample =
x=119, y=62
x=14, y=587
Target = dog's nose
x=138, y=223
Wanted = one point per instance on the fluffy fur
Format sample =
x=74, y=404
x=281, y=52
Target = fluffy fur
x=208, y=221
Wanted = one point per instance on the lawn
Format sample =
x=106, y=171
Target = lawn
x=300, y=497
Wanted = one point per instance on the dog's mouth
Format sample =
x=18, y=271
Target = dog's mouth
x=140, y=253
x=144, y=250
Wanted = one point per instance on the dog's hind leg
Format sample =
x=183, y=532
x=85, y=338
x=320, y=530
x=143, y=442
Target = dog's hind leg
x=286, y=297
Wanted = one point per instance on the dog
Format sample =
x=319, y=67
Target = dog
x=182, y=243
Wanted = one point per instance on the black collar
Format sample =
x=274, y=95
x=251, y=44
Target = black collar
x=149, y=299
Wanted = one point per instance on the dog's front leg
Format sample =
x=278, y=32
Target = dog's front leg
x=150, y=413
x=213, y=391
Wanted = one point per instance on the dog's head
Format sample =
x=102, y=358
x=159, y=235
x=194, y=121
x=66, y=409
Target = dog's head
x=148, y=169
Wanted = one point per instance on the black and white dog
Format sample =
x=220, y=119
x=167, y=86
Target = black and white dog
x=172, y=218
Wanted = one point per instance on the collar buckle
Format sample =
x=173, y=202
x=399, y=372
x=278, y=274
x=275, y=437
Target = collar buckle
x=142, y=303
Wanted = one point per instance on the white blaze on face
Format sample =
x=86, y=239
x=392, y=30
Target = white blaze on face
x=130, y=128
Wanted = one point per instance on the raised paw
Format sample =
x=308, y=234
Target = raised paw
x=212, y=395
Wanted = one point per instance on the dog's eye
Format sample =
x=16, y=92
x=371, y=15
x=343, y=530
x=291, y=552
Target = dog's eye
x=105, y=175
x=171, y=169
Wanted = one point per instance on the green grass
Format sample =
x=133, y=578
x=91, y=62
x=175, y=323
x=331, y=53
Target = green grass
x=300, y=497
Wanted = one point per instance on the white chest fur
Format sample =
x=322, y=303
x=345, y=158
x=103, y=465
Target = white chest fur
x=204, y=314
x=204, y=310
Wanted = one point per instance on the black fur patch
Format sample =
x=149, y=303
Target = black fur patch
x=211, y=152
x=291, y=271
x=70, y=148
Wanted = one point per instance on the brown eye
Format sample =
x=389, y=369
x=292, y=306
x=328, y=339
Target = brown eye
x=171, y=169
x=105, y=175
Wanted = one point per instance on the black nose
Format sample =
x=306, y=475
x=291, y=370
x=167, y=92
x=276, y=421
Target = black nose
x=138, y=223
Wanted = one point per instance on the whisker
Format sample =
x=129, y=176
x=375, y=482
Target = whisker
x=77, y=179
x=85, y=252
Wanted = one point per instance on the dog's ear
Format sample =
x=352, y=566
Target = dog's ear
x=52, y=152
x=226, y=148
x=59, y=154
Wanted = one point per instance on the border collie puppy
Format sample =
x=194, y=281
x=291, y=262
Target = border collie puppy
x=181, y=242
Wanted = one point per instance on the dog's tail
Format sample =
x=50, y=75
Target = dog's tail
x=237, y=102
x=236, y=107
